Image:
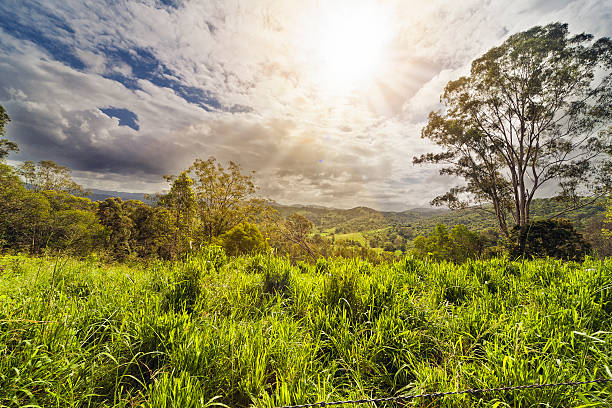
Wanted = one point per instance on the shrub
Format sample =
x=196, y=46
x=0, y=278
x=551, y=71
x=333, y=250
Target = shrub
x=244, y=238
x=548, y=238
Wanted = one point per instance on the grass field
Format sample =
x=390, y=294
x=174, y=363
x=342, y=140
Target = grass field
x=257, y=331
x=352, y=236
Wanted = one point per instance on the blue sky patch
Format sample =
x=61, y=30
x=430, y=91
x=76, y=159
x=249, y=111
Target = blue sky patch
x=171, y=3
x=145, y=65
x=54, y=41
x=37, y=24
x=125, y=116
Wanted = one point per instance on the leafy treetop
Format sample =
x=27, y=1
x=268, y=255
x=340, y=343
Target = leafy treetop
x=5, y=145
x=534, y=110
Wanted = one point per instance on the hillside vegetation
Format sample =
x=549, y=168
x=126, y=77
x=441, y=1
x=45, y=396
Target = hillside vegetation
x=397, y=230
x=423, y=221
x=261, y=331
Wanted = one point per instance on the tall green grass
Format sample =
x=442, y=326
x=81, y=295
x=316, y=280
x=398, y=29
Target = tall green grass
x=259, y=331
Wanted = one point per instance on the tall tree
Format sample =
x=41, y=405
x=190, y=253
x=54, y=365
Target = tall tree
x=152, y=233
x=225, y=197
x=47, y=175
x=114, y=215
x=180, y=201
x=5, y=145
x=533, y=111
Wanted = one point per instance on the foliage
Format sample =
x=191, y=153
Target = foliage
x=23, y=215
x=181, y=202
x=114, y=217
x=457, y=246
x=224, y=197
x=6, y=146
x=548, y=238
x=47, y=175
x=81, y=333
x=397, y=230
x=152, y=232
x=534, y=110
x=244, y=238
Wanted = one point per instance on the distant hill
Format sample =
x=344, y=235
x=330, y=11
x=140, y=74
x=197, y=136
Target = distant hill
x=358, y=219
x=365, y=224
x=101, y=195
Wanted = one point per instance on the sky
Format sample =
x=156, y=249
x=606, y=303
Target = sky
x=324, y=100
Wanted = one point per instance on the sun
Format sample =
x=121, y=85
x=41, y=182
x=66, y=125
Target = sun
x=348, y=45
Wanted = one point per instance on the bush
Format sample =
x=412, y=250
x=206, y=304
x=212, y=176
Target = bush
x=548, y=238
x=244, y=238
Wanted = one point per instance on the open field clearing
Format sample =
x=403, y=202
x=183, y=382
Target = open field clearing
x=257, y=331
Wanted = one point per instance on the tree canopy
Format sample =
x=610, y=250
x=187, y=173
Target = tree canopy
x=46, y=175
x=224, y=197
x=554, y=238
x=534, y=110
x=5, y=145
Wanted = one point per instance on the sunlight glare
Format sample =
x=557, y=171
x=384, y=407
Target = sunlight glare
x=350, y=44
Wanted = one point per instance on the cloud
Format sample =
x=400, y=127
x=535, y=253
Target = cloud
x=126, y=91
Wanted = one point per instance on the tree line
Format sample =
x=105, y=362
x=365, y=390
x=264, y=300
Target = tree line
x=43, y=209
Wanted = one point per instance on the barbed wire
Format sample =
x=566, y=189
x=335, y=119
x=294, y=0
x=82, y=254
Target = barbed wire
x=444, y=394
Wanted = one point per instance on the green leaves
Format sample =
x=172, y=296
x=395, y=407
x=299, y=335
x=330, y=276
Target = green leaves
x=5, y=145
x=533, y=111
x=225, y=197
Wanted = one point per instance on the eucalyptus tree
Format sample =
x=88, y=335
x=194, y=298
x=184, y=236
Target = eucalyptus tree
x=533, y=111
x=225, y=197
x=6, y=146
x=180, y=201
x=46, y=175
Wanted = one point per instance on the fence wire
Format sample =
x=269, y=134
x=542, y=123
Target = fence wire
x=444, y=394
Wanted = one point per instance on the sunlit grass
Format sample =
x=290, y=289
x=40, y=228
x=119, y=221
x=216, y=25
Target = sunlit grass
x=259, y=331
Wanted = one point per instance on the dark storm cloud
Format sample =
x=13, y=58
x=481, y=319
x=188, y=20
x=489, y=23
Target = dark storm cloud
x=79, y=141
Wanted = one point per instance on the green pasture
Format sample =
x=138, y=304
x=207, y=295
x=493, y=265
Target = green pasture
x=259, y=331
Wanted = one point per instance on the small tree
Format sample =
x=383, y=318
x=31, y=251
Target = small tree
x=295, y=229
x=47, y=175
x=534, y=110
x=180, y=201
x=224, y=197
x=243, y=238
